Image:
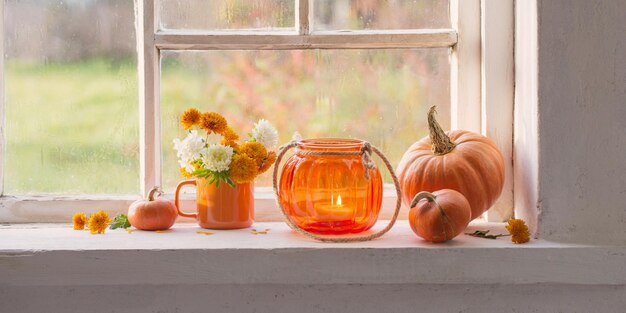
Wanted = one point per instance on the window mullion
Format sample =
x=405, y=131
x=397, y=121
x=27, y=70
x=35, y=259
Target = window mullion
x=498, y=92
x=303, y=20
x=2, y=116
x=421, y=38
x=465, y=78
x=148, y=60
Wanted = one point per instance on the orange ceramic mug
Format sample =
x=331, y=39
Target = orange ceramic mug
x=222, y=207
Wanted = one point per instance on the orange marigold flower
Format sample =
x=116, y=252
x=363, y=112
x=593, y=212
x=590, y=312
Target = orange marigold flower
x=232, y=144
x=190, y=118
x=255, y=150
x=243, y=168
x=79, y=219
x=271, y=158
x=98, y=222
x=519, y=231
x=230, y=138
x=184, y=172
x=212, y=122
x=230, y=135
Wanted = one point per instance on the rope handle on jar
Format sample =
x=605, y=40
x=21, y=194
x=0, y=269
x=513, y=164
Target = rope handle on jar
x=366, y=155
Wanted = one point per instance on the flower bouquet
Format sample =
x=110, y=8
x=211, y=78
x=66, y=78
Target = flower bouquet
x=211, y=149
x=222, y=167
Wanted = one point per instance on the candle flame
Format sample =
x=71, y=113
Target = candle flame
x=339, y=200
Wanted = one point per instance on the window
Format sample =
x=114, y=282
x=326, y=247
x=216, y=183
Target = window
x=366, y=69
x=70, y=98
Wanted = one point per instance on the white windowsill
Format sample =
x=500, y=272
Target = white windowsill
x=51, y=208
x=54, y=254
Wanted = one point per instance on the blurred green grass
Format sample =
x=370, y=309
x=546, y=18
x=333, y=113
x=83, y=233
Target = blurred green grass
x=71, y=127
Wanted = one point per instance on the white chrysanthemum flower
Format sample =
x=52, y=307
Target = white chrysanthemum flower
x=217, y=157
x=213, y=139
x=189, y=150
x=296, y=136
x=187, y=165
x=265, y=134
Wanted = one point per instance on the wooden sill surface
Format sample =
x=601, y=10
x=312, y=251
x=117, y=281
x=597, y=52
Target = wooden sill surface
x=54, y=254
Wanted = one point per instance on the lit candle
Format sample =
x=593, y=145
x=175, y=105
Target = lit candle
x=331, y=211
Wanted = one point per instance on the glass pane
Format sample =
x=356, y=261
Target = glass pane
x=381, y=14
x=226, y=14
x=378, y=95
x=71, y=97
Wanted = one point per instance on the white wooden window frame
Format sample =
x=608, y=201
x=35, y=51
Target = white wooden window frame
x=482, y=91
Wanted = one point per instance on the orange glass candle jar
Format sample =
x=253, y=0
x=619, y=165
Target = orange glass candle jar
x=330, y=193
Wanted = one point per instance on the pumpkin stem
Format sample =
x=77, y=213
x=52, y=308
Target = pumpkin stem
x=423, y=195
x=155, y=189
x=441, y=143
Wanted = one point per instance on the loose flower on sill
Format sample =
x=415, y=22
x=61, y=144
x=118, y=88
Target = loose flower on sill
x=519, y=230
x=79, y=220
x=98, y=222
x=217, y=155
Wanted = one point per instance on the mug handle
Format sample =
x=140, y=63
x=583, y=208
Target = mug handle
x=176, y=198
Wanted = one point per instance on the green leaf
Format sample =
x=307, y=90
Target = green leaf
x=201, y=172
x=485, y=234
x=120, y=221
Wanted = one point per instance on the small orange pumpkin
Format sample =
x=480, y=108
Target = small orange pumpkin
x=152, y=214
x=461, y=160
x=439, y=216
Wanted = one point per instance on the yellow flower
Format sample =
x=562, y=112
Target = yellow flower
x=79, y=219
x=197, y=164
x=519, y=231
x=254, y=150
x=271, y=158
x=212, y=122
x=98, y=222
x=190, y=118
x=242, y=168
x=184, y=172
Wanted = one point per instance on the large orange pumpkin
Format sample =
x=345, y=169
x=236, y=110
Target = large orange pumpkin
x=461, y=160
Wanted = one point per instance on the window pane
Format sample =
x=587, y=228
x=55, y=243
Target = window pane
x=71, y=97
x=380, y=14
x=226, y=14
x=378, y=95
